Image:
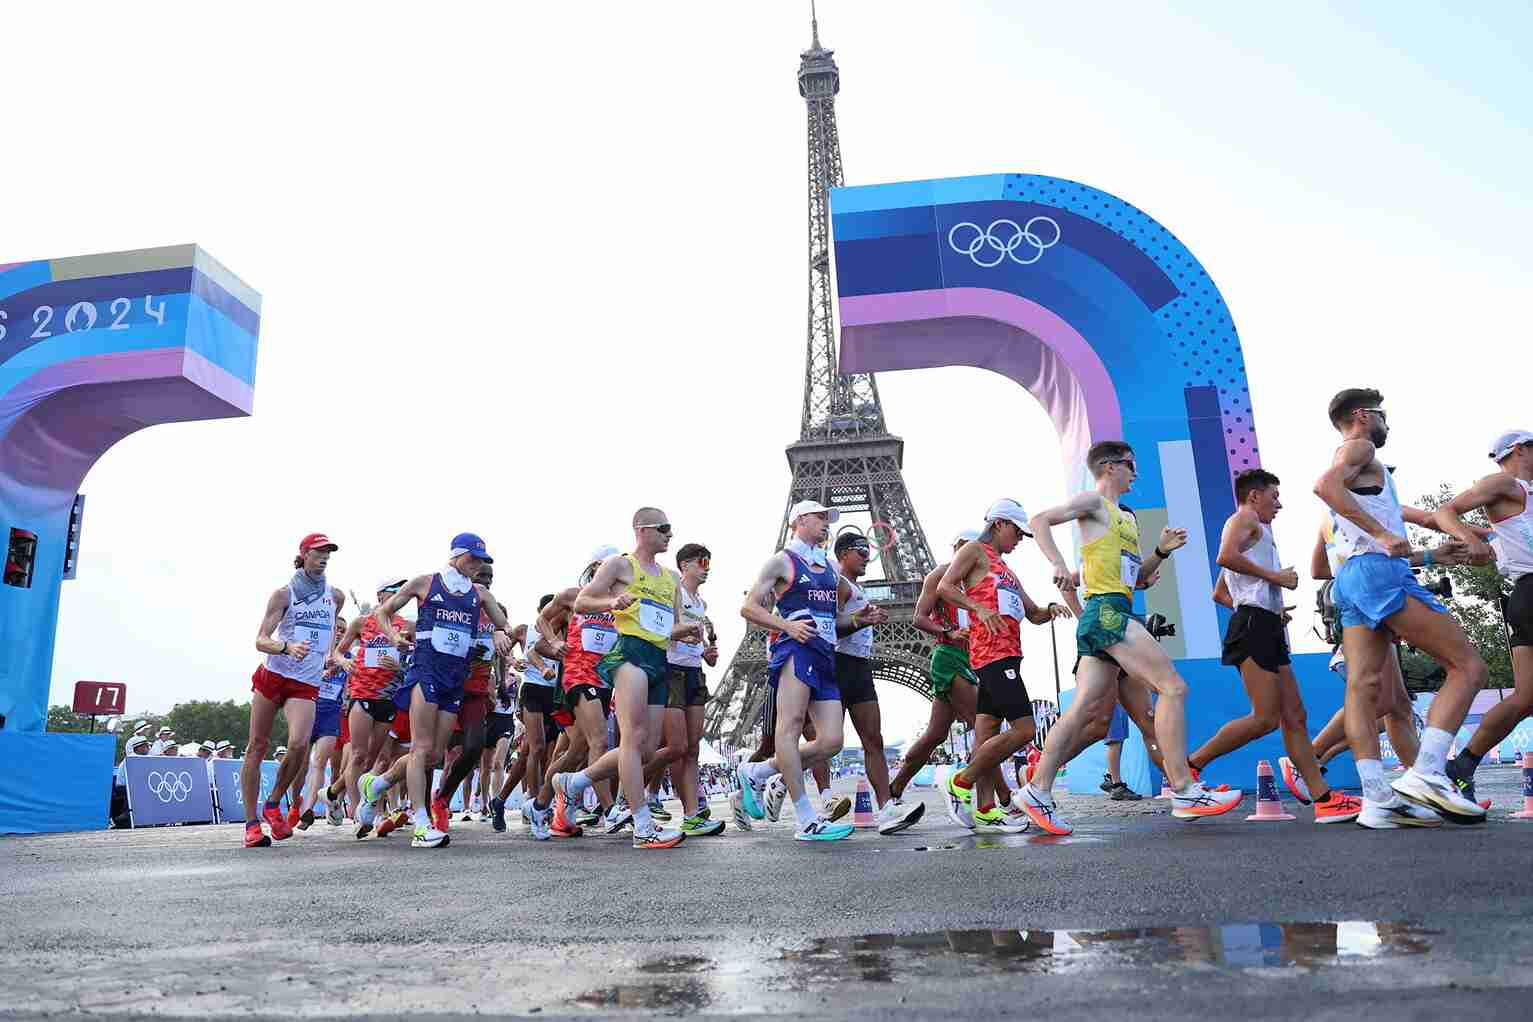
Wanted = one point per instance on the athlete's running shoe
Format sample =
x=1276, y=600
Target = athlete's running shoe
x=1199, y=802
x=1437, y=793
x=537, y=823
x=1108, y=784
x=365, y=788
x=1294, y=780
x=1463, y=780
x=498, y=815
x=702, y=808
x=1123, y=793
x=468, y=816
x=388, y=826
x=737, y=808
x=441, y=816
x=587, y=818
x=837, y=807
x=255, y=837
x=696, y=826
x=776, y=795
x=294, y=818
x=751, y=793
x=305, y=819
x=822, y=829
x=1395, y=815
x=1338, y=808
x=561, y=824
x=427, y=836
x=1042, y=811
x=277, y=821
x=335, y=814
x=960, y=802
x=366, y=814
x=896, y=815
x=618, y=817
x=657, y=809
x=1196, y=776
x=486, y=815
x=1014, y=809
x=996, y=821
x=658, y=838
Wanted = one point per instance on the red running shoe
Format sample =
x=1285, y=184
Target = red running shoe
x=441, y=816
x=255, y=837
x=388, y=826
x=273, y=815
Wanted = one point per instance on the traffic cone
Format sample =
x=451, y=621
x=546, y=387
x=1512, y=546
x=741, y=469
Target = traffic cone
x=1267, y=805
x=1527, y=791
x=862, y=806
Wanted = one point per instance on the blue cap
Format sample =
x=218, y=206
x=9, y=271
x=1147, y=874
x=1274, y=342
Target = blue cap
x=468, y=543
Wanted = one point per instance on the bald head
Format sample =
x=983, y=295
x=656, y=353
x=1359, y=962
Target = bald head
x=651, y=531
x=648, y=516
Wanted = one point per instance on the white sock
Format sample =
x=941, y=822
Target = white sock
x=577, y=784
x=421, y=819
x=1433, y=757
x=761, y=772
x=804, y=810
x=810, y=787
x=643, y=823
x=1371, y=773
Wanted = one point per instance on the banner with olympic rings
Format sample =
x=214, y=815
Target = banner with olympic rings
x=168, y=789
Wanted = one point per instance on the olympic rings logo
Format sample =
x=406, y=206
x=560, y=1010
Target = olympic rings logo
x=170, y=787
x=880, y=535
x=1004, y=238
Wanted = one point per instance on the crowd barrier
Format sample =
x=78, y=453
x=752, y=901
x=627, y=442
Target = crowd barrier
x=176, y=789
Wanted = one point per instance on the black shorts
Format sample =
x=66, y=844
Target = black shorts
x=381, y=710
x=1257, y=633
x=1002, y=692
x=854, y=677
x=687, y=687
x=498, y=726
x=574, y=696
x=536, y=698
x=1519, y=611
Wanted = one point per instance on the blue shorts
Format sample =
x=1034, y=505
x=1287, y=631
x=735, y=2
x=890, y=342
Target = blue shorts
x=1117, y=731
x=813, y=669
x=1372, y=587
x=327, y=718
x=441, y=685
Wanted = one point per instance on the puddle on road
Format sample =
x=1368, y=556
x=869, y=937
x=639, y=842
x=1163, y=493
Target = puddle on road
x=680, y=984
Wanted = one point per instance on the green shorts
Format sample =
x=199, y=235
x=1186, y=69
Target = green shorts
x=949, y=662
x=1104, y=621
x=647, y=657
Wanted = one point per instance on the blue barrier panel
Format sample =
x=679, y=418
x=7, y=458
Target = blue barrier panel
x=226, y=780
x=54, y=782
x=168, y=789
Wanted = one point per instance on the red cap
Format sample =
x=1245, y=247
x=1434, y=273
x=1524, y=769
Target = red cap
x=316, y=541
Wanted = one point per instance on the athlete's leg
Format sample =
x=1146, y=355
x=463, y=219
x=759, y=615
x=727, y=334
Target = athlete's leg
x=1399, y=719
x=792, y=708
x=1294, y=721
x=1366, y=651
x=421, y=760
x=1115, y=762
x=1441, y=637
x=1134, y=697
x=468, y=759
x=262, y=712
x=1333, y=737
x=673, y=728
x=1144, y=660
x=868, y=723
x=1265, y=693
x=534, y=754
x=630, y=699
x=300, y=725
x=688, y=786
x=1501, y=719
x=1096, y=686
x=920, y=751
x=320, y=756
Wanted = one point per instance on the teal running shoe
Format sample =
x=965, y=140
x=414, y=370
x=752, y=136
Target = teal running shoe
x=752, y=795
x=823, y=830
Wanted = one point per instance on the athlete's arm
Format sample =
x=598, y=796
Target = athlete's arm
x=418, y=588
x=1241, y=530
x=552, y=621
x=1351, y=459
x=276, y=606
x=600, y=595
x=682, y=630
x=1042, y=615
x=1319, y=563
x=950, y=588
x=856, y=621
x=757, y=608
x=501, y=636
x=1170, y=540
x=1082, y=505
x=352, y=634
x=1450, y=517
x=1222, y=592
x=926, y=606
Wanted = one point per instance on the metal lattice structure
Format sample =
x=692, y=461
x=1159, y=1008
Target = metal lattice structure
x=845, y=457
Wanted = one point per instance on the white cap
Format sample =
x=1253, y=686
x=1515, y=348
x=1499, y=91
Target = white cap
x=965, y=536
x=137, y=741
x=602, y=552
x=1008, y=510
x=142, y=725
x=1503, y=444
x=812, y=507
x=166, y=732
x=389, y=582
x=221, y=745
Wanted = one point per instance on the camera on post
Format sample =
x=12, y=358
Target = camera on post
x=1158, y=627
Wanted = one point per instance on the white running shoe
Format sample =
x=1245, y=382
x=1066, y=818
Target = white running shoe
x=1437, y=793
x=537, y=822
x=1198, y=801
x=618, y=817
x=334, y=814
x=737, y=808
x=776, y=794
x=427, y=836
x=896, y=815
x=1294, y=780
x=1395, y=814
x=998, y=821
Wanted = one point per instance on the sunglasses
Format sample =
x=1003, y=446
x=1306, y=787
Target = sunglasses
x=1129, y=463
x=703, y=562
x=1383, y=416
x=664, y=528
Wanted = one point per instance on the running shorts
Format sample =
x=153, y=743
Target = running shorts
x=1117, y=730
x=1256, y=632
x=345, y=726
x=854, y=677
x=688, y=687
x=475, y=708
x=327, y=718
x=536, y=698
x=498, y=726
x=813, y=669
x=400, y=731
x=647, y=657
x=1519, y=611
x=1370, y=588
x=1001, y=690
x=1103, y=624
x=441, y=683
x=580, y=692
x=381, y=710
x=948, y=664
x=279, y=688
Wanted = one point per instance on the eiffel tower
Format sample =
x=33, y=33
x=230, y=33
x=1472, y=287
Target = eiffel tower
x=845, y=457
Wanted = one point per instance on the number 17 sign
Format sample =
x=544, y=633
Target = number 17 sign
x=100, y=698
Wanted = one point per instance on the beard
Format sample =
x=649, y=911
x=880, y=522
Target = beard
x=1378, y=435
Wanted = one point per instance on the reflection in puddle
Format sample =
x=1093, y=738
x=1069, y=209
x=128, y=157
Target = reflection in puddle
x=674, y=996
x=876, y=957
x=1006, y=842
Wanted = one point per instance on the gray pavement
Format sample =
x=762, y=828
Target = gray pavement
x=1135, y=915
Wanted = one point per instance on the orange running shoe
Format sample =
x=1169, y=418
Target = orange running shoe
x=255, y=837
x=441, y=816
x=1200, y=802
x=294, y=817
x=277, y=821
x=561, y=824
x=1338, y=808
x=388, y=826
x=659, y=839
x=1042, y=810
x=1196, y=777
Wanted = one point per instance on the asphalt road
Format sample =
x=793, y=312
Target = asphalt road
x=1136, y=915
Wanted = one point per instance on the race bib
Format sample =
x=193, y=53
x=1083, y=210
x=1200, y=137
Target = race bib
x=487, y=641
x=1128, y=567
x=655, y=619
x=826, y=626
x=690, y=649
x=595, y=639
x=451, y=641
x=372, y=656
x=1008, y=602
x=963, y=618
x=331, y=690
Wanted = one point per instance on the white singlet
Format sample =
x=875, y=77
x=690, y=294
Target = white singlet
x=1384, y=507
x=860, y=642
x=312, y=622
x=1250, y=591
x=688, y=654
x=531, y=674
x=1513, y=539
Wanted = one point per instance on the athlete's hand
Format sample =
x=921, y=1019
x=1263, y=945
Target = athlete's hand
x=692, y=631
x=517, y=663
x=1059, y=610
x=872, y=614
x=503, y=643
x=1394, y=546
x=1063, y=577
x=1287, y=578
x=298, y=650
x=388, y=662
x=1476, y=552
x=401, y=643
x=958, y=635
x=1172, y=539
x=558, y=646
x=991, y=619
x=800, y=630
x=1148, y=581
x=711, y=656
x=1287, y=614
x=622, y=600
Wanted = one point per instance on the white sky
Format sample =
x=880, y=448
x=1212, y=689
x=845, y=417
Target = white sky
x=528, y=267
